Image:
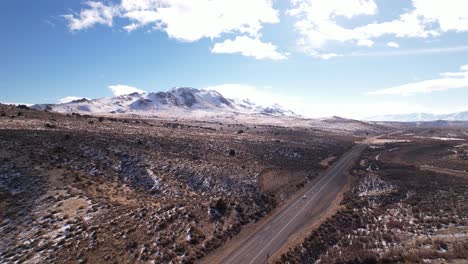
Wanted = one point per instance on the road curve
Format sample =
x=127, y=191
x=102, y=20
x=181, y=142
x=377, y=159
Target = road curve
x=276, y=232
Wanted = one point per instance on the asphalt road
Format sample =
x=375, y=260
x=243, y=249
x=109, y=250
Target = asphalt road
x=276, y=232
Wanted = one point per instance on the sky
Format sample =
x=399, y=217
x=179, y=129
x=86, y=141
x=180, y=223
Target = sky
x=353, y=58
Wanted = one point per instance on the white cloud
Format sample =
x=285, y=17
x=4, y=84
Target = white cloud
x=266, y=96
x=317, y=22
x=325, y=56
x=251, y=47
x=323, y=10
x=450, y=80
x=450, y=15
x=196, y=19
x=69, y=99
x=96, y=13
x=409, y=52
x=393, y=44
x=365, y=42
x=260, y=95
x=407, y=25
x=121, y=89
x=181, y=19
x=314, y=107
x=360, y=110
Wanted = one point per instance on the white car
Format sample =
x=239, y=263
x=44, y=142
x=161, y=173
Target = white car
x=304, y=197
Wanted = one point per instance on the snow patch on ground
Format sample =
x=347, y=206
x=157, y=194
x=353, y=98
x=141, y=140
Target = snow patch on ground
x=372, y=185
x=445, y=138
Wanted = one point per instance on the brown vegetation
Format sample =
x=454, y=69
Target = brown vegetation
x=410, y=216
x=81, y=189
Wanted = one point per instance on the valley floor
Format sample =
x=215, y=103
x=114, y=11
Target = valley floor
x=77, y=188
x=397, y=210
x=87, y=189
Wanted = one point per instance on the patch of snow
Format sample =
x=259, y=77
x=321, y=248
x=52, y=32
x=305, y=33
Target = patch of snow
x=177, y=101
x=441, y=138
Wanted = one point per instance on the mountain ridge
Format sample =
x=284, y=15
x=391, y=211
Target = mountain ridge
x=178, y=99
x=421, y=117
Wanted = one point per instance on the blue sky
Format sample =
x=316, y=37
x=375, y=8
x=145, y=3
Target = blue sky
x=318, y=57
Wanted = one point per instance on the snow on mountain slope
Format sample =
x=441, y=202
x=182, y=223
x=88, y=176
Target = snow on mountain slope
x=177, y=100
x=421, y=117
x=460, y=116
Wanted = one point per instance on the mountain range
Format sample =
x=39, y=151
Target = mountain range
x=177, y=101
x=186, y=101
x=421, y=117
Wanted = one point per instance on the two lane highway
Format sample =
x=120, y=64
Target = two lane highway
x=276, y=232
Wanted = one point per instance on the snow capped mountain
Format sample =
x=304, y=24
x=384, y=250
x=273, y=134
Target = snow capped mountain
x=460, y=116
x=421, y=117
x=177, y=100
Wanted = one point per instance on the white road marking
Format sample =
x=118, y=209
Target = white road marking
x=295, y=216
x=332, y=171
x=240, y=251
x=307, y=192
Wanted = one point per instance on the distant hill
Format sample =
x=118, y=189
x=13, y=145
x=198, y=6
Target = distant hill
x=421, y=117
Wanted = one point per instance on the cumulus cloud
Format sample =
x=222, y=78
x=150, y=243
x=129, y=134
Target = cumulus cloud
x=447, y=81
x=190, y=21
x=450, y=15
x=393, y=44
x=69, y=99
x=316, y=108
x=121, y=89
x=180, y=19
x=251, y=47
x=317, y=21
x=95, y=13
x=260, y=95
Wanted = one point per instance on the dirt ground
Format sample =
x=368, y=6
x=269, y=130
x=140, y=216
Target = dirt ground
x=76, y=189
x=398, y=209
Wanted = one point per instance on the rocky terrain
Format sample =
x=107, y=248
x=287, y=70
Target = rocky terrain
x=188, y=104
x=396, y=210
x=79, y=188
